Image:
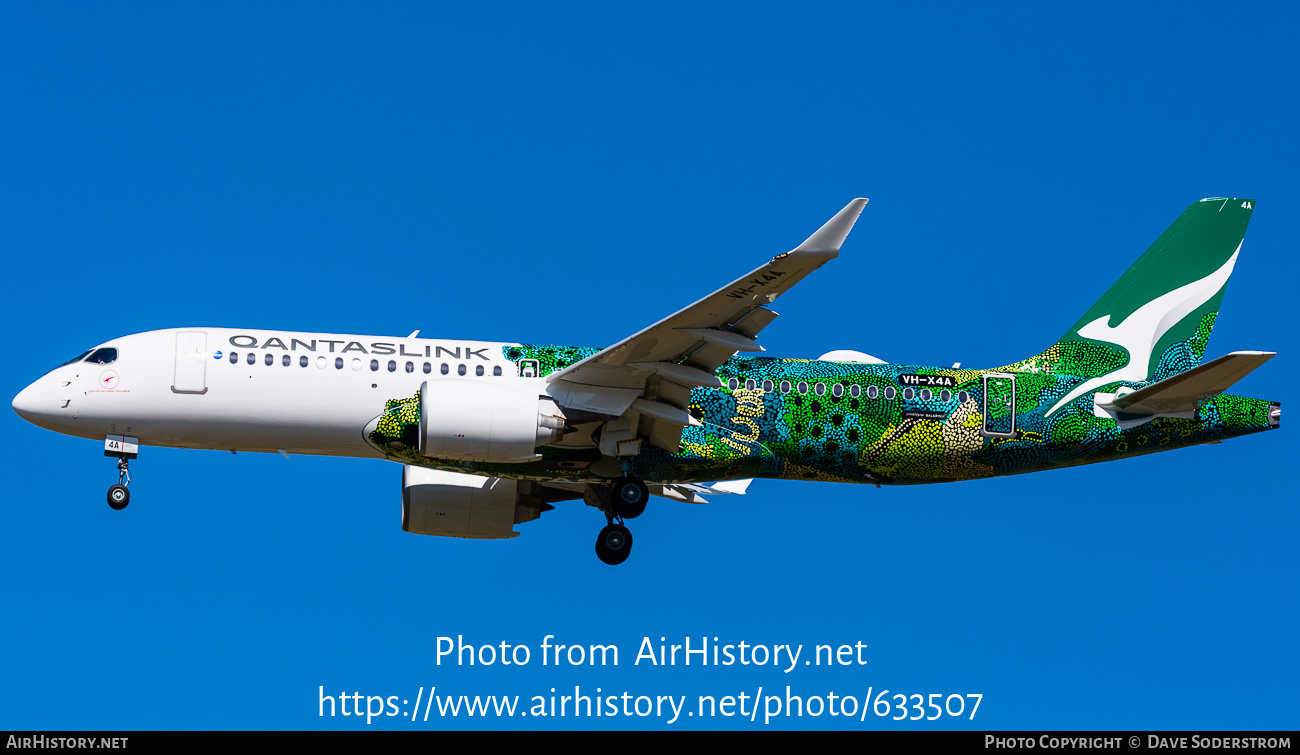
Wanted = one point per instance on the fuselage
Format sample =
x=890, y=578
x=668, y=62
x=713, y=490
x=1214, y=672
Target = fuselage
x=246, y=390
x=314, y=393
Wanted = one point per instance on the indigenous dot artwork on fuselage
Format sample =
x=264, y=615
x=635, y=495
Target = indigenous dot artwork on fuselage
x=813, y=420
x=398, y=428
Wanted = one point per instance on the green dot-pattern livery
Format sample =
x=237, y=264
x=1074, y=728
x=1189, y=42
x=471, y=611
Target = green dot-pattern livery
x=866, y=423
x=397, y=429
x=548, y=358
x=903, y=424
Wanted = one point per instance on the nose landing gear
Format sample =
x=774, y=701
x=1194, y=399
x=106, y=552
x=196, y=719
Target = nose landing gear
x=124, y=449
x=118, y=495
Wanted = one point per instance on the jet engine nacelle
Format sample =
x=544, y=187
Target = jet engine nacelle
x=486, y=420
x=450, y=504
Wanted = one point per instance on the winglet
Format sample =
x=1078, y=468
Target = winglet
x=828, y=238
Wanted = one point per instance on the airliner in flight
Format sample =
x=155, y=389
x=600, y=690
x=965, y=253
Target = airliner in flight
x=490, y=435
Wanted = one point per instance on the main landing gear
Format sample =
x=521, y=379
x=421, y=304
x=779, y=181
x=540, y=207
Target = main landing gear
x=627, y=499
x=614, y=543
x=118, y=495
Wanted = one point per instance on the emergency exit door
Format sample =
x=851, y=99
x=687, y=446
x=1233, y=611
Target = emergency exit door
x=999, y=405
x=191, y=362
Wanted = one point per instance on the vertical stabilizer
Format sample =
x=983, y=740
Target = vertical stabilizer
x=1156, y=320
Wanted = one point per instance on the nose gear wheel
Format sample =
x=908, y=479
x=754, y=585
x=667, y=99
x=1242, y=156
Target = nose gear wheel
x=118, y=495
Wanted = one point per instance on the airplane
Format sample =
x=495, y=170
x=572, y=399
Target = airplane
x=490, y=434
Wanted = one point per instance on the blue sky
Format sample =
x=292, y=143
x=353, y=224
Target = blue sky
x=570, y=175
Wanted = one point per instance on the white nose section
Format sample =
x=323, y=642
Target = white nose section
x=28, y=404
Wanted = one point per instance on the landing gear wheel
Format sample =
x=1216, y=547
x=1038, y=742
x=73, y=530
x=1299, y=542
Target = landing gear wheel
x=629, y=497
x=614, y=544
x=118, y=497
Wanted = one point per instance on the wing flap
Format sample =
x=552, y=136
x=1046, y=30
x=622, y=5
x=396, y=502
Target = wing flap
x=606, y=400
x=727, y=338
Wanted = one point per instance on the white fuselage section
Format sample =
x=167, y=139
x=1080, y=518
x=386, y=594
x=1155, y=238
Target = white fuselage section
x=250, y=390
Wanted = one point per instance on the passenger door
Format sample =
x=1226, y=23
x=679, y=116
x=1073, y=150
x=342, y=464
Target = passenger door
x=191, y=362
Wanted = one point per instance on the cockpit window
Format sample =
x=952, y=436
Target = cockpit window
x=103, y=356
x=77, y=358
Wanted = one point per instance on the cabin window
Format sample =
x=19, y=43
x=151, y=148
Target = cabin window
x=837, y=390
x=855, y=391
x=303, y=361
x=392, y=366
x=926, y=395
x=338, y=363
x=496, y=371
x=803, y=388
x=234, y=357
x=909, y=394
x=750, y=385
x=445, y=369
x=785, y=386
x=320, y=363
x=460, y=370
x=962, y=396
x=890, y=392
x=872, y=391
x=252, y=358
x=945, y=395
x=820, y=389
x=356, y=364
x=767, y=386
x=428, y=368
x=410, y=366
x=733, y=383
x=102, y=356
x=286, y=360
x=374, y=365
x=479, y=370
x=270, y=360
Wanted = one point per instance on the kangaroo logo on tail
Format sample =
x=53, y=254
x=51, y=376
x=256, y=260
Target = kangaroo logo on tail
x=1156, y=307
x=1139, y=333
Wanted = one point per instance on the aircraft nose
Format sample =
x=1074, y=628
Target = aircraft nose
x=27, y=404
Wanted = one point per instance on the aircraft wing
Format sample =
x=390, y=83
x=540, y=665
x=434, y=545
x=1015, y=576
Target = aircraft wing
x=647, y=378
x=1185, y=391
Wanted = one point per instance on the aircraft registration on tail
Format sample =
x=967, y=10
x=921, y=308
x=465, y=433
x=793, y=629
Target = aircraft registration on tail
x=491, y=435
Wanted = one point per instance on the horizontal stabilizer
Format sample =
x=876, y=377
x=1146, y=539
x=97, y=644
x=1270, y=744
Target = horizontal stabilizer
x=1184, y=391
x=734, y=487
x=687, y=493
x=690, y=492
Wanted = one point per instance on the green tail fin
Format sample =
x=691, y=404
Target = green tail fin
x=1156, y=320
